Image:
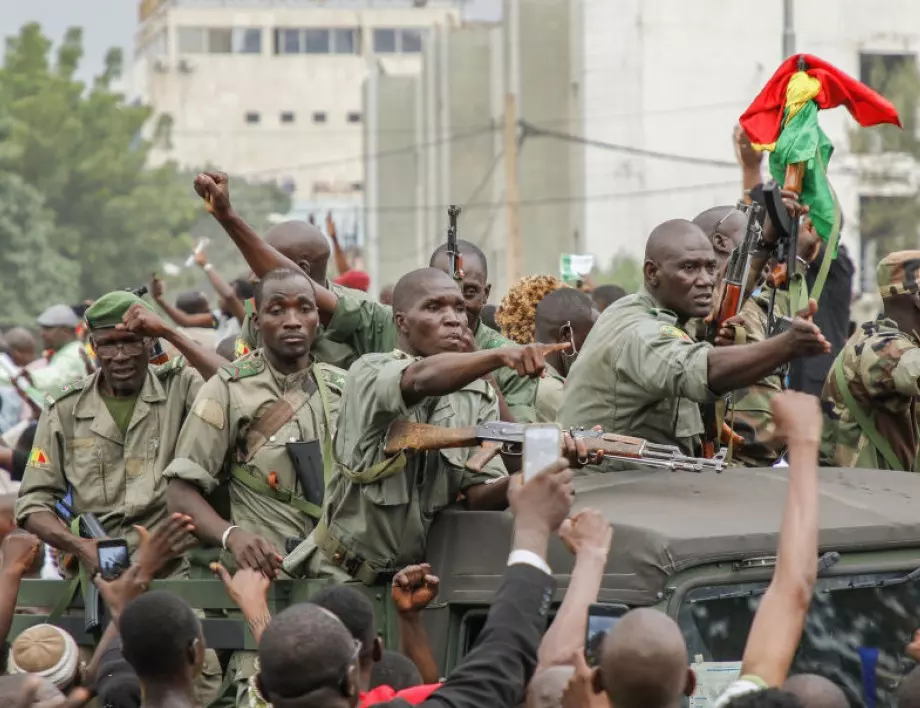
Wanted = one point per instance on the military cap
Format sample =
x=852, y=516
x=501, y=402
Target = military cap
x=110, y=309
x=899, y=274
x=58, y=316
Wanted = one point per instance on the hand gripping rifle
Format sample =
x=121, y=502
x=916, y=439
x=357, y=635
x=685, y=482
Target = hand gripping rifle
x=496, y=437
x=454, y=259
x=736, y=288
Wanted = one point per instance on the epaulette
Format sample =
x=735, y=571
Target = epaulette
x=664, y=315
x=332, y=375
x=73, y=387
x=242, y=368
x=170, y=368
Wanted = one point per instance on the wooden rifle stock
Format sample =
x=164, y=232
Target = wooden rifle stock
x=405, y=435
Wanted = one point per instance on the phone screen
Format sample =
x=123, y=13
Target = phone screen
x=542, y=446
x=113, y=558
x=601, y=619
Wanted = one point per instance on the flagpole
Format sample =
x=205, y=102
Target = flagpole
x=788, y=28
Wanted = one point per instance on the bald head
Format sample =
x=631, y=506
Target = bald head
x=644, y=664
x=680, y=268
x=725, y=227
x=22, y=345
x=304, y=244
x=816, y=691
x=416, y=284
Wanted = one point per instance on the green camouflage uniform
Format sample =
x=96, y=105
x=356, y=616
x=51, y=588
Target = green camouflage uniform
x=640, y=374
x=378, y=509
x=215, y=439
x=882, y=369
x=369, y=327
x=549, y=395
x=324, y=350
x=751, y=415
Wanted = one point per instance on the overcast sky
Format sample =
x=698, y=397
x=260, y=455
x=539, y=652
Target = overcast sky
x=110, y=23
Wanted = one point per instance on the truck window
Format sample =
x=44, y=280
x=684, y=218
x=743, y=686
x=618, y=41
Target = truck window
x=846, y=629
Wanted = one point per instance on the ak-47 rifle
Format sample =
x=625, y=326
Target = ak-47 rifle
x=495, y=437
x=735, y=290
x=454, y=259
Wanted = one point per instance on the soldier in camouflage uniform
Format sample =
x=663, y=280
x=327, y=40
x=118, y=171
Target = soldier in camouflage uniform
x=107, y=438
x=870, y=396
x=378, y=509
x=245, y=423
x=640, y=373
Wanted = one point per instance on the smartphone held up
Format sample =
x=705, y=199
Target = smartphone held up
x=542, y=446
x=114, y=558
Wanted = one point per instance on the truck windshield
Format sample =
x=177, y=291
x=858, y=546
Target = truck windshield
x=848, y=631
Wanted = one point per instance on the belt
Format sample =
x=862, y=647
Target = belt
x=242, y=475
x=342, y=557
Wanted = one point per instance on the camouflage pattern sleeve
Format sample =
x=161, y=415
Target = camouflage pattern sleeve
x=890, y=365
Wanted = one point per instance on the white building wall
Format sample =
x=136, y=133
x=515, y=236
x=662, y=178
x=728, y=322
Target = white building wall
x=674, y=77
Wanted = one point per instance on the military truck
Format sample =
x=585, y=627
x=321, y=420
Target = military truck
x=700, y=547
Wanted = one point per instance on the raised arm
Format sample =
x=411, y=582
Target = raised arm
x=221, y=287
x=143, y=322
x=777, y=627
x=214, y=189
x=341, y=262
x=183, y=319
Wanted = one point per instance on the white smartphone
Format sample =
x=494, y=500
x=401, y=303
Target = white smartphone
x=542, y=446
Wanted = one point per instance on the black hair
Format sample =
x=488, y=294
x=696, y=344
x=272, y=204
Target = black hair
x=242, y=287
x=300, y=636
x=563, y=305
x=157, y=630
x=605, y=295
x=396, y=671
x=768, y=698
x=193, y=302
x=465, y=248
x=355, y=611
x=277, y=275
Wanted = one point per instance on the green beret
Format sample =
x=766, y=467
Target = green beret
x=109, y=310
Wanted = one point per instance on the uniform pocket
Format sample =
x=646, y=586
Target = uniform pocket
x=85, y=474
x=392, y=491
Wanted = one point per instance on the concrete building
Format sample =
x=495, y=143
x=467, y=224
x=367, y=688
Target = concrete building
x=457, y=154
x=655, y=88
x=272, y=89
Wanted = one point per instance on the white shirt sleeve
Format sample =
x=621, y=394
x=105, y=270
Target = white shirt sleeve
x=525, y=557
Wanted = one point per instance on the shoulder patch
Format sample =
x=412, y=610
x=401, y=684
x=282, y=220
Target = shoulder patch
x=170, y=368
x=210, y=411
x=242, y=368
x=39, y=458
x=241, y=348
x=332, y=375
x=73, y=387
x=673, y=332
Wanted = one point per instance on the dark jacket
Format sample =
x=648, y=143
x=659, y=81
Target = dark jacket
x=501, y=665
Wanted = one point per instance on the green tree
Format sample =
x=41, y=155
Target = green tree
x=624, y=270
x=33, y=275
x=81, y=148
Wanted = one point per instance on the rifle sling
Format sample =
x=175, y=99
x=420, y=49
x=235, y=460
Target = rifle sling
x=866, y=425
x=830, y=249
x=242, y=475
x=276, y=416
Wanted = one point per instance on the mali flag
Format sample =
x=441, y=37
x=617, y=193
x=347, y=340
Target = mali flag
x=38, y=458
x=783, y=119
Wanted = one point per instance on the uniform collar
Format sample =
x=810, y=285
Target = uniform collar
x=90, y=405
x=285, y=381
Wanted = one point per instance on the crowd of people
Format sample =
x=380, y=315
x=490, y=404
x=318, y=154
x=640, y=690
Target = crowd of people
x=248, y=443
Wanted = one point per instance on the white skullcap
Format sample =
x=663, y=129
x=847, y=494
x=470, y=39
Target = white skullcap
x=45, y=651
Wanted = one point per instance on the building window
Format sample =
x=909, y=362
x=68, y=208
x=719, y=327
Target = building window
x=411, y=41
x=220, y=40
x=319, y=116
x=316, y=41
x=247, y=40
x=287, y=41
x=344, y=41
x=252, y=117
x=287, y=117
x=354, y=117
x=357, y=186
x=385, y=41
x=191, y=40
